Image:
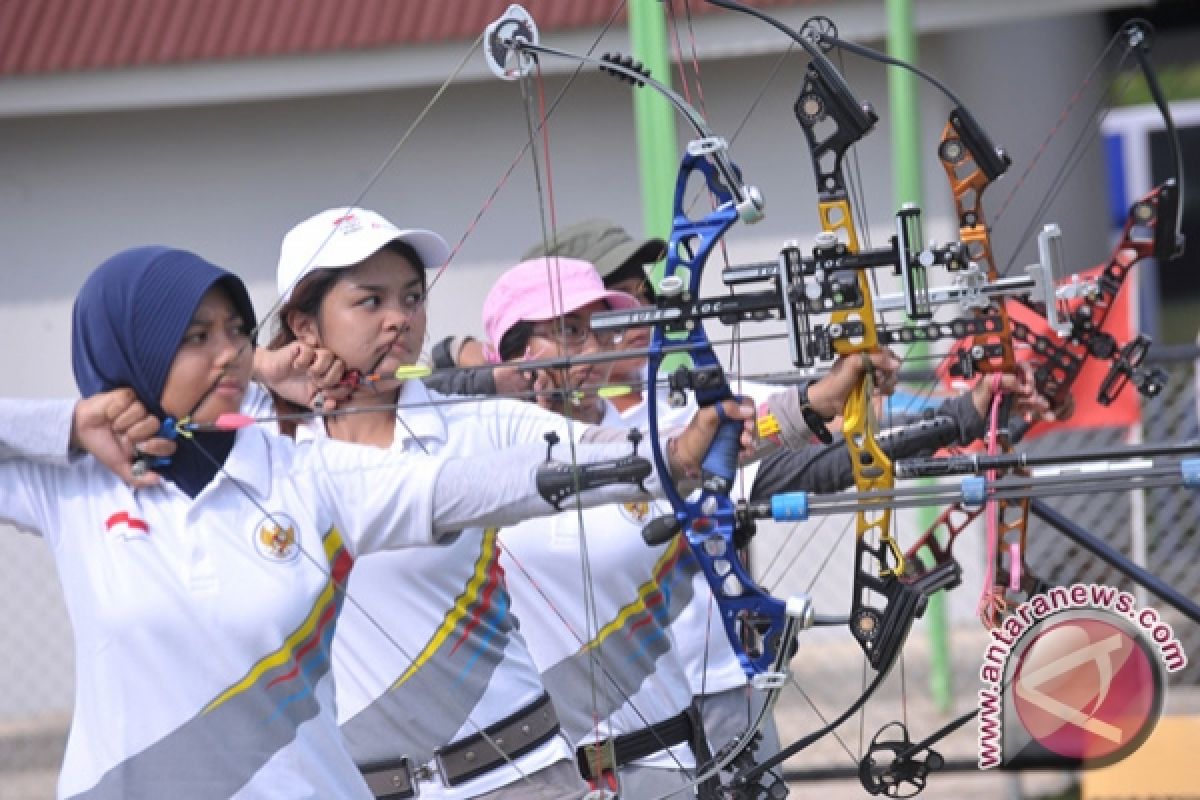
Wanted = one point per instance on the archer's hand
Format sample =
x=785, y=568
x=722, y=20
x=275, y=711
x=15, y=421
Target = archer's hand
x=1027, y=403
x=686, y=451
x=115, y=428
x=828, y=395
x=511, y=381
x=298, y=372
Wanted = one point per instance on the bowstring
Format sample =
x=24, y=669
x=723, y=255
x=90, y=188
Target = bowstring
x=857, y=193
x=322, y=565
x=534, y=106
x=734, y=345
x=1055, y=127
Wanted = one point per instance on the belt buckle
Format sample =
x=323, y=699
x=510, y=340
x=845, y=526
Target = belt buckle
x=600, y=757
x=389, y=781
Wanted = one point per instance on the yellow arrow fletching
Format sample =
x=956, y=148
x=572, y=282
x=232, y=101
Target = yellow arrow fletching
x=410, y=371
x=608, y=392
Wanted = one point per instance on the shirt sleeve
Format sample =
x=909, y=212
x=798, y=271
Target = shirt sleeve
x=258, y=403
x=827, y=468
x=36, y=429
x=381, y=500
x=34, y=447
x=389, y=502
x=514, y=422
x=467, y=381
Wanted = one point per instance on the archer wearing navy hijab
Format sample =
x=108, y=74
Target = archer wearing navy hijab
x=129, y=321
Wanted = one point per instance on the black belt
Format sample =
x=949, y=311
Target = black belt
x=468, y=758
x=608, y=755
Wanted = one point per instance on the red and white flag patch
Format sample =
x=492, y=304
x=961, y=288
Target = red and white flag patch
x=126, y=526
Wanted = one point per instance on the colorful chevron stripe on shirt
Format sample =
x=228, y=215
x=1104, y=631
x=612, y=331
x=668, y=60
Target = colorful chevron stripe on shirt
x=247, y=724
x=648, y=616
x=306, y=650
x=479, y=610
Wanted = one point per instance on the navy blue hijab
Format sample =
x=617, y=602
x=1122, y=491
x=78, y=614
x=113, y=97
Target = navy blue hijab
x=128, y=323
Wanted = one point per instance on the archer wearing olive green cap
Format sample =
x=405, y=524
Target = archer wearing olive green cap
x=605, y=244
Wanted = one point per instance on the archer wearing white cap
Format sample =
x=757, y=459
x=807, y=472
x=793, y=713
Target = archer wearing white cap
x=436, y=692
x=428, y=666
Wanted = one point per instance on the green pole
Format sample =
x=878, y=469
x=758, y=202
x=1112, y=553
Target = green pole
x=904, y=99
x=654, y=118
x=657, y=146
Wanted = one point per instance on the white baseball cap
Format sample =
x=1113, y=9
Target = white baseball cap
x=343, y=237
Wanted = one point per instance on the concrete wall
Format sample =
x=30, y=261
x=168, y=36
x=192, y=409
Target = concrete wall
x=228, y=180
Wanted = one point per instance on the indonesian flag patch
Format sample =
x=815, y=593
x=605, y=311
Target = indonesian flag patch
x=127, y=526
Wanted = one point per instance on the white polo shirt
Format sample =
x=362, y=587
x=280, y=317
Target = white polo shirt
x=202, y=627
x=701, y=644
x=598, y=628
x=428, y=653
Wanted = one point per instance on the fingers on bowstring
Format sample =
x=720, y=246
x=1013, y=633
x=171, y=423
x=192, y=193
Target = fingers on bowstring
x=137, y=432
x=326, y=370
x=139, y=426
x=136, y=465
x=130, y=418
x=119, y=403
x=302, y=355
x=157, y=446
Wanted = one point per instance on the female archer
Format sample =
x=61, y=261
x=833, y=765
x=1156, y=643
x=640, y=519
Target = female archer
x=416, y=690
x=203, y=604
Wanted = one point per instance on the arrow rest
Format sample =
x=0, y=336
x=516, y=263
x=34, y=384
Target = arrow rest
x=905, y=773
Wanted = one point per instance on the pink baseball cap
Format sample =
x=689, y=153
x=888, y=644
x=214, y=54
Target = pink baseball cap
x=544, y=288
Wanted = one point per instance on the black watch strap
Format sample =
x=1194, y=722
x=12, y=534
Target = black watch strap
x=812, y=419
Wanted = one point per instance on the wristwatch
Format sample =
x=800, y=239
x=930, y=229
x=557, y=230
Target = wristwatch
x=814, y=421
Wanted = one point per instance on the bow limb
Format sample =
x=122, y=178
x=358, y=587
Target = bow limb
x=1152, y=230
x=761, y=628
x=971, y=164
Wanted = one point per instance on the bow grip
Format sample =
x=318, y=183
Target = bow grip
x=720, y=462
x=144, y=462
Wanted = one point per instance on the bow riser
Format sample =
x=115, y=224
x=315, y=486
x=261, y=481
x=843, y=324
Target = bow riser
x=819, y=104
x=1057, y=364
x=971, y=166
x=1144, y=236
x=709, y=520
x=968, y=181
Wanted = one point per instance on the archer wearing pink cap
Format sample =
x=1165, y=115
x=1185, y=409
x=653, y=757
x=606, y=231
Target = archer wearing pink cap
x=542, y=308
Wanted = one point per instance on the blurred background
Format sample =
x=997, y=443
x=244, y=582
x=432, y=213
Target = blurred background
x=215, y=125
